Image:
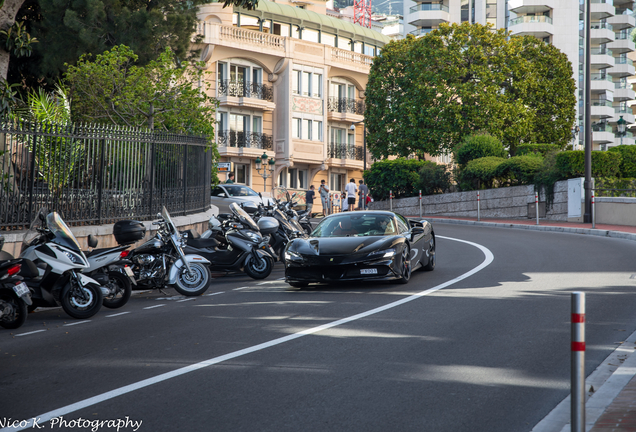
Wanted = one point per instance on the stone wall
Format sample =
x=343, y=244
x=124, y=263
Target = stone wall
x=510, y=203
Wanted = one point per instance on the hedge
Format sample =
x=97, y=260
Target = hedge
x=571, y=164
x=479, y=146
x=398, y=175
x=519, y=170
x=537, y=149
x=480, y=173
x=628, y=159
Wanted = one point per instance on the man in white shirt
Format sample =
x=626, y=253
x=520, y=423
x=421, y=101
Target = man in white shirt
x=324, y=197
x=351, y=190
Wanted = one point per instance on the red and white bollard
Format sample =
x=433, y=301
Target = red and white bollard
x=420, y=203
x=577, y=409
x=536, y=205
x=391, y=199
x=593, y=211
x=478, y=209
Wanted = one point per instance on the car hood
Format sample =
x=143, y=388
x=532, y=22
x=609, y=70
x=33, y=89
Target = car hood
x=337, y=246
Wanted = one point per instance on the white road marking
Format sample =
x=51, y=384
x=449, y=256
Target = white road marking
x=117, y=314
x=489, y=257
x=185, y=300
x=76, y=323
x=155, y=306
x=241, y=288
x=24, y=334
x=220, y=292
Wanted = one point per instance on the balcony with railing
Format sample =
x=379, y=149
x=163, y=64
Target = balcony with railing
x=345, y=109
x=532, y=25
x=421, y=31
x=601, y=33
x=428, y=14
x=245, y=93
x=602, y=133
x=623, y=43
x=623, y=91
x=623, y=67
x=231, y=142
x=601, y=9
x=601, y=57
x=602, y=109
x=345, y=151
x=623, y=19
x=600, y=82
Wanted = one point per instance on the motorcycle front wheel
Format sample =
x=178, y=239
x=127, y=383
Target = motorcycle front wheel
x=259, y=269
x=194, y=283
x=120, y=290
x=81, y=302
x=14, y=310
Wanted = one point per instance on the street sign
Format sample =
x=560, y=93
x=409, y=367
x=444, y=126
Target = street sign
x=224, y=166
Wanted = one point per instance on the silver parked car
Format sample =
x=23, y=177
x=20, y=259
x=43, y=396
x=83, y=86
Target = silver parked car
x=225, y=194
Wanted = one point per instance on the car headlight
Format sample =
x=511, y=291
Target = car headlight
x=74, y=258
x=293, y=256
x=386, y=253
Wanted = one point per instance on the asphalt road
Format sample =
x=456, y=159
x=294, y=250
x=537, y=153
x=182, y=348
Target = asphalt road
x=490, y=352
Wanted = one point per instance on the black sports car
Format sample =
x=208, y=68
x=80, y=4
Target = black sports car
x=361, y=245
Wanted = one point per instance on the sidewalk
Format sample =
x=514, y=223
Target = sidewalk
x=612, y=406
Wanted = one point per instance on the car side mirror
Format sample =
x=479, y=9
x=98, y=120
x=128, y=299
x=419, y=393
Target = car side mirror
x=222, y=195
x=416, y=231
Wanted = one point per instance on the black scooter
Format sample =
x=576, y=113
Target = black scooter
x=15, y=295
x=243, y=248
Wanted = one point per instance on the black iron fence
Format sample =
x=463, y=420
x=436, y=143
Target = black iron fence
x=245, y=89
x=230, y=138
x=345, y=105
x=345, y=151
x=95, y=174
x=616, y=193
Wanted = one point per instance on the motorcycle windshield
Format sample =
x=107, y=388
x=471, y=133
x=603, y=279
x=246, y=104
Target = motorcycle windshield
x=168, y=219
x=32, y=235
x=243, y=216
x=62, y=233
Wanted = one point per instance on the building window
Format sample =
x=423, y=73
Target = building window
x=306, y=83
x=241, y=173
x=306, y=129
x=317, y=131
x=297, y=179
x=296, y=128
x=317, y=85
x=296, y=80
x=337, y=182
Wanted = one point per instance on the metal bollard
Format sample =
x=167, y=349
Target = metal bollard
x=391, y=199
x=536, y=205
x=593, y=211
x=478, y=209
x=420, y=203
x=577, y=408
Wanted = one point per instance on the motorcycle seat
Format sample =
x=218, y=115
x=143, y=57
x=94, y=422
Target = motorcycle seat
x=201, y=243
x=96, y=251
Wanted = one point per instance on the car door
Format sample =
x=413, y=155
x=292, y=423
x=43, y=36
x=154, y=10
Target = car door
x=415, y=240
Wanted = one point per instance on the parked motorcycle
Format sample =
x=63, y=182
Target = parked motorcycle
x=161, y=260
x=53, y=248
x=15, y=295
x=104, y=266
x=244, y=244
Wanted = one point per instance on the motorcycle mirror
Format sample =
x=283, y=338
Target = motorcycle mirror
x=92, y=241
x=159, y=215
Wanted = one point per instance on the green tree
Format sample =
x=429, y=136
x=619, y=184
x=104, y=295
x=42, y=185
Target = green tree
x=425, y=95
x=477, y=146
x=69, y=29
x=112, y=89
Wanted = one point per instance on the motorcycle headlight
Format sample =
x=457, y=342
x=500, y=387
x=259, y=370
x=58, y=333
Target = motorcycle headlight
x=74, y=258
x=293, y=256
x=386, y=253
x=255, y=237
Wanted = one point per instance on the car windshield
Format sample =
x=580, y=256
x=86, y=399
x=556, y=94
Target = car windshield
x=347, y=225
x=239, y=191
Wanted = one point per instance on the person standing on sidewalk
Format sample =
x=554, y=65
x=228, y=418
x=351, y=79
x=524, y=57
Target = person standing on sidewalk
x=230, y=178
x=363, y=192
x=324, y=197
x=309, y=196
x=351, y=190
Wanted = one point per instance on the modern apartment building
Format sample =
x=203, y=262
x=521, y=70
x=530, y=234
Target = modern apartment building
x=290, y=79
x=558, y=22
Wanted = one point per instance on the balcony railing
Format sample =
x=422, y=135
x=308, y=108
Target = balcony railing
x=531, y=19
x=604, y=103
x=422, y=31
x=230, y=138
x=598, y=77
x=245, y=89
x=601, y=127
x=345, y=105
x=599, y=51
x=601, y=26
x=623, y=60
x=345, y=151
x=429, y=7
x=622, y=110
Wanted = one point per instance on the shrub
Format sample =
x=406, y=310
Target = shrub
x=519, y=170
x=623, y=187
x=571, y=164
x=399, y=175
x=479, y=146
x=628, y=159
x=434, y=179
x=537, y=149
x=480, y=173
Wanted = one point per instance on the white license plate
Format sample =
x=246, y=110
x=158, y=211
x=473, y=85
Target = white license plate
x=369, y=271
x=21, y=289
x=129, y=272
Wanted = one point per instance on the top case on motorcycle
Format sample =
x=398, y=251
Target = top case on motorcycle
x=194, y=240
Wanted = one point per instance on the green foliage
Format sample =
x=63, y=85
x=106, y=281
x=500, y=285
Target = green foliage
x=477, y=146
x=519, y=170
x=628, y=159
x=246, y=4
x=17, y=41
x=113, y=90
x=571, y=164
x=67, y=30
x=434, y=179
x=622, y=187
x=480, y=173
x=425, y=95
x=546, y=177
x=536, y=149
x=399, y=175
